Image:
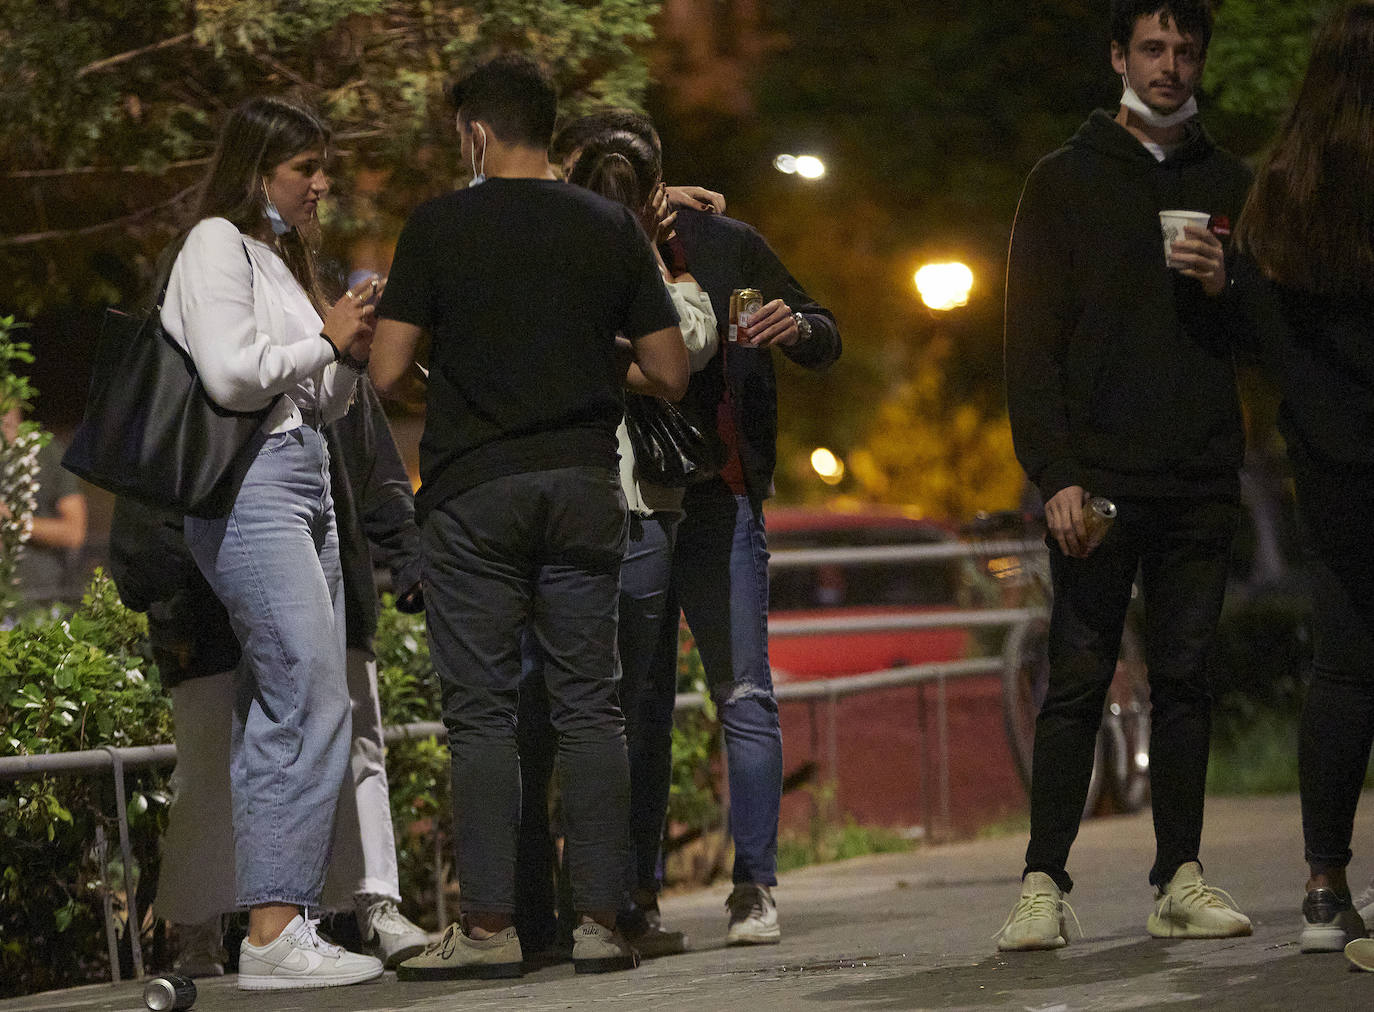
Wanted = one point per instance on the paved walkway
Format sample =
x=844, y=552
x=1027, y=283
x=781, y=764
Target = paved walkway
x=913, y=931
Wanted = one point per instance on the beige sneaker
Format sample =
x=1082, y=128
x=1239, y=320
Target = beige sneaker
x=1189, y=908
x=459, y=957
x=1037, y=920
x=598, y=949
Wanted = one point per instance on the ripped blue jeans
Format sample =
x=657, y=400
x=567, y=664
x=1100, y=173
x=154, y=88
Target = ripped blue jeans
x=720, y=578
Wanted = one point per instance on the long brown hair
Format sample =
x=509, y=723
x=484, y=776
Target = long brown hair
x=259, y=135
x=1309, y=219
x=621, y=167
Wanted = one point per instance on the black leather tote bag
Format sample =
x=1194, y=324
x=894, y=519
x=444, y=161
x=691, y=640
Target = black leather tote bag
x=669, y=450
x=150, y=432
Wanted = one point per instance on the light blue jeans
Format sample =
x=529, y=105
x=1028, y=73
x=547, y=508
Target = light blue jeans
x=274, y=562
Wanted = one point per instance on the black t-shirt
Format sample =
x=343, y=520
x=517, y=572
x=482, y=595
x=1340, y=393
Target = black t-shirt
x=523, y=285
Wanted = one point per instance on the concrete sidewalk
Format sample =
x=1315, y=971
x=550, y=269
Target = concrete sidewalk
x=913, y=931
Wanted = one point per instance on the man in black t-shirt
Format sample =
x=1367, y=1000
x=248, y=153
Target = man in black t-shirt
x=524, y=285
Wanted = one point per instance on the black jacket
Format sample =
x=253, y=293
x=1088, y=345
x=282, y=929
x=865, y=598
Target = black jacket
x=724, y=254
x=188, y=629
x=1119, y=370
x=1319, y=350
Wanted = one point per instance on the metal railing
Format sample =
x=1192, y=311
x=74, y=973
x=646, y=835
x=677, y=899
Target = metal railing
x=120, y=759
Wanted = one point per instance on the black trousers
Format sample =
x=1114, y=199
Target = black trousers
x=542, y=551
x=1181, y=549
x=1336, y=507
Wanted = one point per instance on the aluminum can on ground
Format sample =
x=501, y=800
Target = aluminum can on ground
x=169, y=993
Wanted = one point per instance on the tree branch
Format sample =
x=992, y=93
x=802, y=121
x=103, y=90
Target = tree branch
x=118, y=58
x=32, y=238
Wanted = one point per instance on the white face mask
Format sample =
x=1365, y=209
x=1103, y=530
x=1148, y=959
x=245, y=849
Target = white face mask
x=278, y=223
x=1130, y=100
x=479, y=175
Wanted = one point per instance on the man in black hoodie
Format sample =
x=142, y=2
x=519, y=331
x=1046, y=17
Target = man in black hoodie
x=1120, y=383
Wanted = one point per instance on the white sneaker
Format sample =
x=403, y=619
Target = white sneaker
x=598, y=949
x=1364, y=903
x=1189, y=908
x=753, y=916
x=200, y=951
x=300, y=958
x=388, y=934
x=1037, y=921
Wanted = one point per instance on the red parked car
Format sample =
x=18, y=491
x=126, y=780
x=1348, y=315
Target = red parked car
x=886, y=741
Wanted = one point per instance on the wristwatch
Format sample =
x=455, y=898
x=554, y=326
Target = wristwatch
x=803, y=327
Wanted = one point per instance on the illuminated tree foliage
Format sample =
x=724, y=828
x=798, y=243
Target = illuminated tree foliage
x=108, y=109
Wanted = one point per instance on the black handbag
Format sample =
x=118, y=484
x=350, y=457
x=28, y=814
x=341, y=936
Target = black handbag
x=669, y=450
x=150, y=431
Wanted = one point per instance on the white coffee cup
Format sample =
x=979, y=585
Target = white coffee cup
x=1171, y=224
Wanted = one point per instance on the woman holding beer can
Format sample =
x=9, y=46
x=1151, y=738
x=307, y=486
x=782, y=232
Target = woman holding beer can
x=243, y=301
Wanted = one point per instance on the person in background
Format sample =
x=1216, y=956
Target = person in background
x=625, y=168
x=244, y=302
x=1306, y=276
x=196, y=653
x=523, y=284
x=1121, y=383
x=45, y=571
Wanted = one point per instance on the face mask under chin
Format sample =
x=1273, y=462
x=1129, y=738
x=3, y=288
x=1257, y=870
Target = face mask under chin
x=1151, y=117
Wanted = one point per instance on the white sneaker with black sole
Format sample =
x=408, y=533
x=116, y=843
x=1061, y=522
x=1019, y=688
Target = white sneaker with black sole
x=753, y=916
x=300, y=958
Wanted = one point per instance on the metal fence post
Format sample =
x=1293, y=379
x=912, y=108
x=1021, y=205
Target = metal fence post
x=127, y=854
x=102, y=856
x=942, y=736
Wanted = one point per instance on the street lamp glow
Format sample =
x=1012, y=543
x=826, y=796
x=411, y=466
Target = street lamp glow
x=944, y=286
x=806, y=166
x=829, y=467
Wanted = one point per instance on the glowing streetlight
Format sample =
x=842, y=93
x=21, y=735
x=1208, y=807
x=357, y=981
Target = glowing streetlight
x=944, y=286
x=829, y=467
x=806, y=166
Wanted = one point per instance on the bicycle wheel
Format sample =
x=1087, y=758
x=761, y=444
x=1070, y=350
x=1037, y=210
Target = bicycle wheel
x=1126, y=726
x=1025, y=683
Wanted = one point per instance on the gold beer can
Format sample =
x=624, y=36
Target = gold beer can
x=1098, y=514
x=745, y=304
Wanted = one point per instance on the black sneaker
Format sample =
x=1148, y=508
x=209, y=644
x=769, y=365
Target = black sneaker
x=1329, y=921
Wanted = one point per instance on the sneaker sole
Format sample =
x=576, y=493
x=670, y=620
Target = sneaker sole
x=771, y=938
x=1168, y=929
x=468, y=971
x=398, y=957
x=606, y=964
x=1332, y=936
x=255, y=982
x=1033, y=945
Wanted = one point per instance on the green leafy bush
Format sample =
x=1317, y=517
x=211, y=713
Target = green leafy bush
x=73, y=683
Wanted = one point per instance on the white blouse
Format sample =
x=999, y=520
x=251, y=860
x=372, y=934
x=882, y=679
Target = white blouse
x=697, y=321
x=251, y=330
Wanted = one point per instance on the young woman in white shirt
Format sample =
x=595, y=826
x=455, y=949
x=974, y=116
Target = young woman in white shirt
x=243, y=300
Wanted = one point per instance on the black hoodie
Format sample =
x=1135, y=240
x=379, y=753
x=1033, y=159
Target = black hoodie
x=1119, y=371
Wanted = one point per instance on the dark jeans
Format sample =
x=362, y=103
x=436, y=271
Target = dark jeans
x=1181, y=548
x=540, y=550
x=647, y=643
x=720, y=576
x=1336, y=506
